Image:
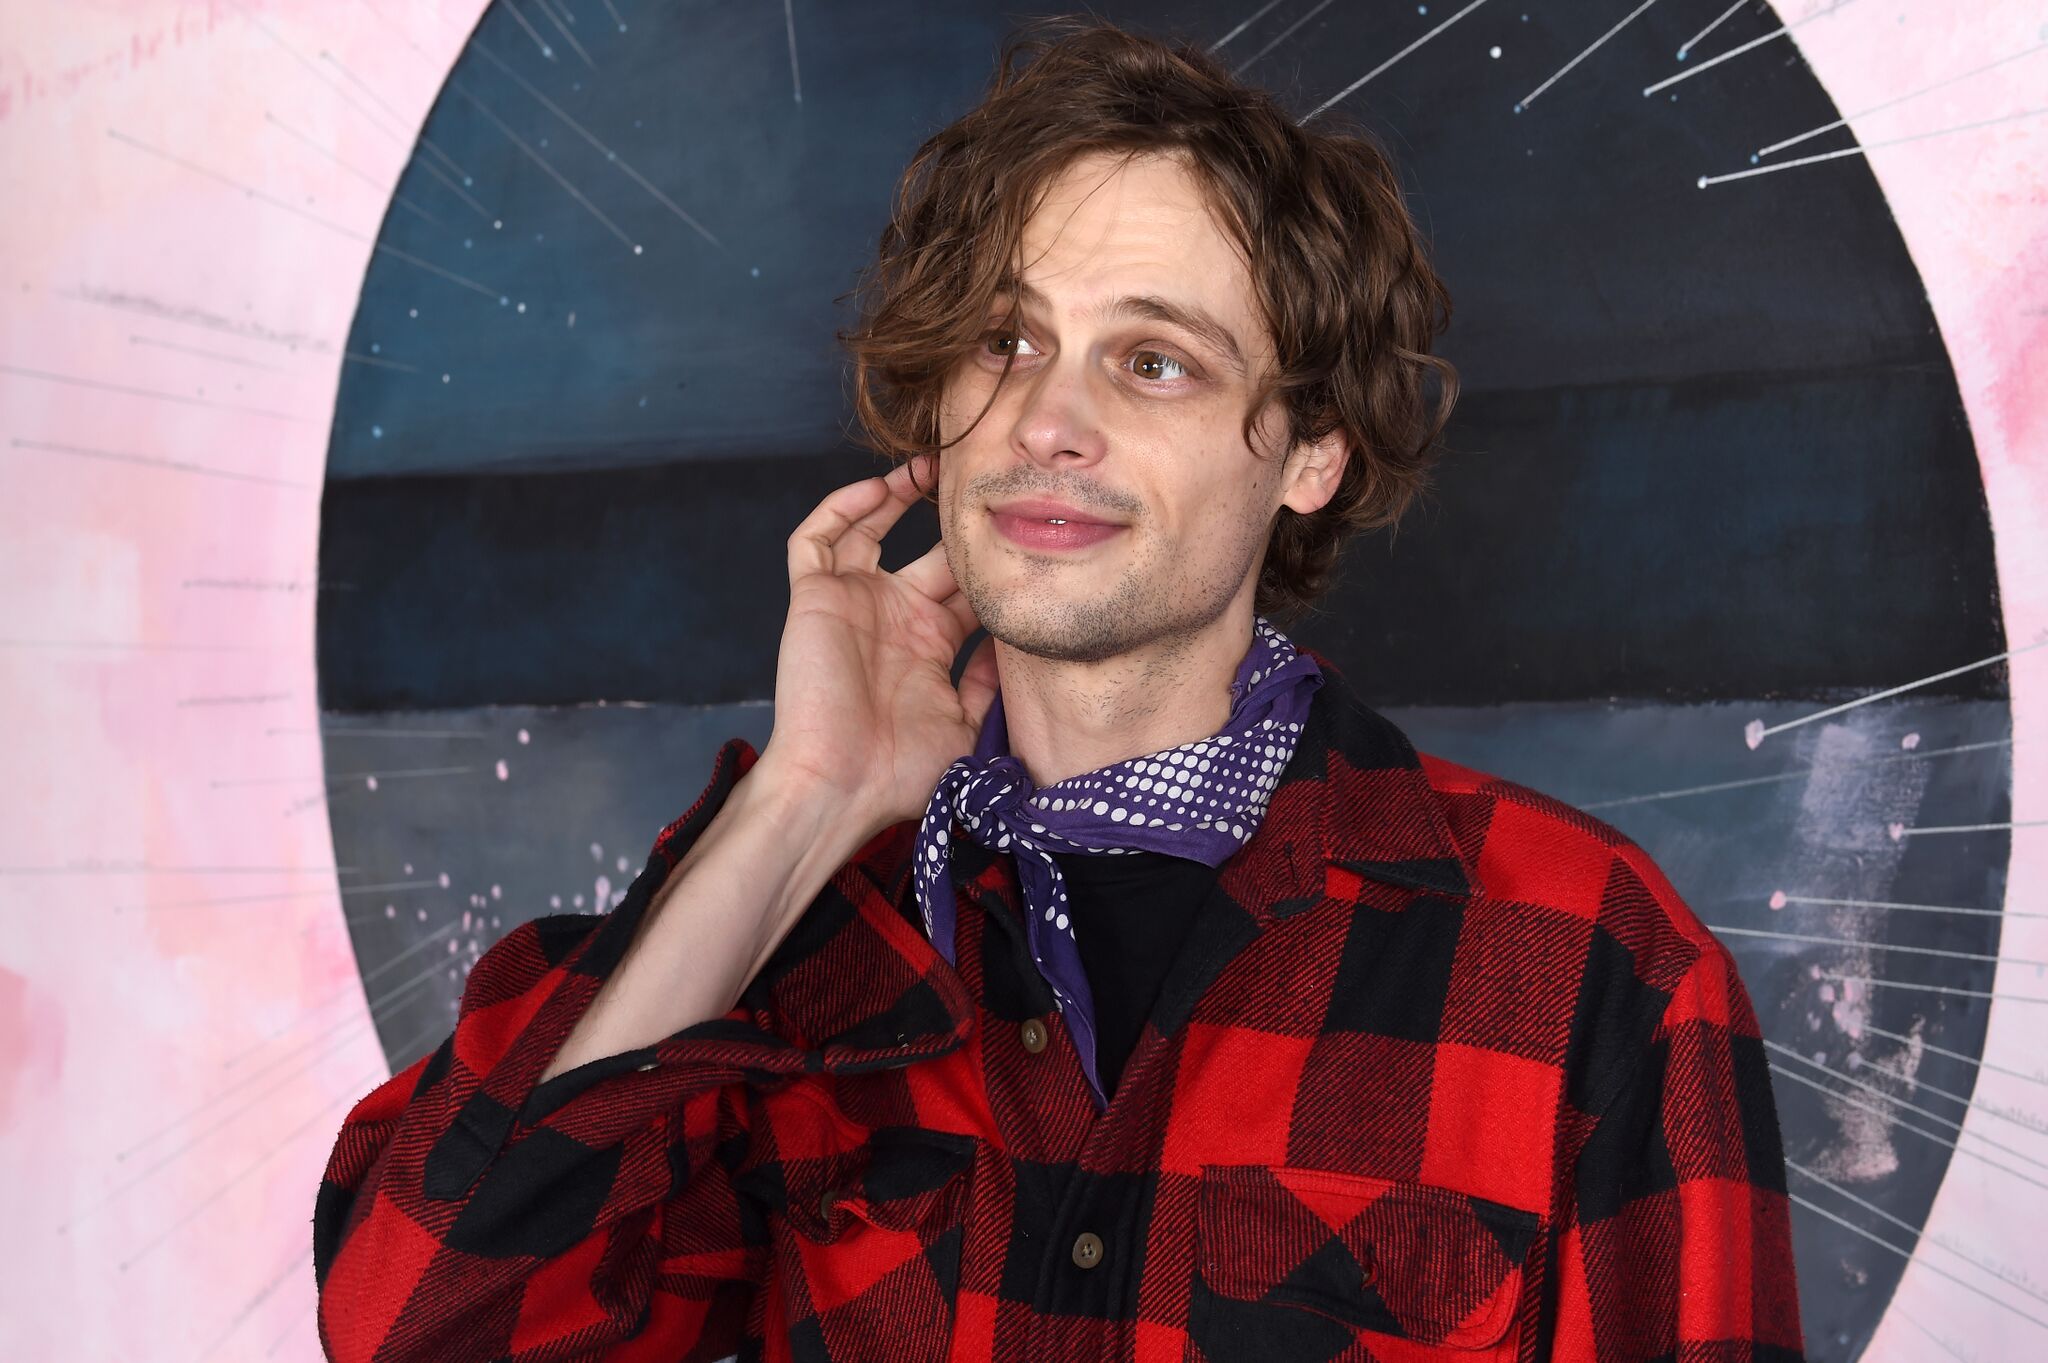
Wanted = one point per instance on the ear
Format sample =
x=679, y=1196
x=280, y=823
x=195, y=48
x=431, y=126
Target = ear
x=1314, y=469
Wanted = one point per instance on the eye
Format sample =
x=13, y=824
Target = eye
x=1156, y=366
x=1160, y=359
x=994, y=341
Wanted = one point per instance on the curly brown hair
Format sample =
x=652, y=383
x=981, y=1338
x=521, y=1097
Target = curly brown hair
x=1348, y=297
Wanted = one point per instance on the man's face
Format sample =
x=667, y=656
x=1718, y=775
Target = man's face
x=1132, y=420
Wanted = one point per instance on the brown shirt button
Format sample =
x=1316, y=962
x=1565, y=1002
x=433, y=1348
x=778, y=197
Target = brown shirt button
x=1087, y=1249
x=1033, y=1035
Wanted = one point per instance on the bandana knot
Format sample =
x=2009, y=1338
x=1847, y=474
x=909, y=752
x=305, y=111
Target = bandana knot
x=987, y=793
x=1201, y=800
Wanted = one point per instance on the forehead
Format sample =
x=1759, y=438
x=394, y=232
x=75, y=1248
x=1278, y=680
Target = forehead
x=1109, y=225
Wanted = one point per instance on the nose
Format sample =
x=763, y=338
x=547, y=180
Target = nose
x=1058, y=426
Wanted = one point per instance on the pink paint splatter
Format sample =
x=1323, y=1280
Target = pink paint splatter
x=31, y=1047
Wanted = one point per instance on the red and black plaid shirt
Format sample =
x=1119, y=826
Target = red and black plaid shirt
x=1445, y=1070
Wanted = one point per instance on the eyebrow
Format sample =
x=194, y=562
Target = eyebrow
x=1153, y=308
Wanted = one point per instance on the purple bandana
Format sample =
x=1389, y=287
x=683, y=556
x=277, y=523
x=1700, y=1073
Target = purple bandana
x=1201, y=800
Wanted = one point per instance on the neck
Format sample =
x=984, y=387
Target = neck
x=1066, y=718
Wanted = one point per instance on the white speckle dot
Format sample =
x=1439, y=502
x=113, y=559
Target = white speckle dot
x=504, y=772
x=525, y=737
x=1493, y=52
x=370, y=781
x=444, y=880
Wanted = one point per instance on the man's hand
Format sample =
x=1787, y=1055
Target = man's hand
x=864, y=699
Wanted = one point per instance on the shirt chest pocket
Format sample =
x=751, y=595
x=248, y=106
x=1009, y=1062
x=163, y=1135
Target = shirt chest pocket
x=1303, y=1264
x=867, y=1246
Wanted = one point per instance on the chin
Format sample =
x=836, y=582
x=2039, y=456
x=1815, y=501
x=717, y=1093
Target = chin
x=1045, y=624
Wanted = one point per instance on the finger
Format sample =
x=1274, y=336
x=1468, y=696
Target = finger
x=812, y=544
x=962, y=612
x=979, y=682
x=859, y=548
x=930, y=576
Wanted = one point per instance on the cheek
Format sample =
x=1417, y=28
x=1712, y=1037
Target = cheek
x=961, y=401
x=1225, y=502
x=1206, y=521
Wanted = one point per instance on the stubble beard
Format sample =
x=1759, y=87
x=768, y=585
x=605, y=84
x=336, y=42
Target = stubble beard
x=1052, y=610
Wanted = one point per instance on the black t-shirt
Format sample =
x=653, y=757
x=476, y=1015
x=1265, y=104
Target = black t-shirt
x=1131, y=912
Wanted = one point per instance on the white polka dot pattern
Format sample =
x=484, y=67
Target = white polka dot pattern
x=1201, y=800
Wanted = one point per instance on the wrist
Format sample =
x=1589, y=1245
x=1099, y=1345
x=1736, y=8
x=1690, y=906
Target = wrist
x=821, y=823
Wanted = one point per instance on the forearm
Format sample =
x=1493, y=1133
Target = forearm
x=723, y=910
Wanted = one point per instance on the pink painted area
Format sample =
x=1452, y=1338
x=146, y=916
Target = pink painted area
x=31, y=1050
x=133, y=1010
x=1973, y=209
x=166, y=1217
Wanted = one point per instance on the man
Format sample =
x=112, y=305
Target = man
x=1143, y=994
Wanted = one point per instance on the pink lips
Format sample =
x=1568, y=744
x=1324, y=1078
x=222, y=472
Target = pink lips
x=1043, y=524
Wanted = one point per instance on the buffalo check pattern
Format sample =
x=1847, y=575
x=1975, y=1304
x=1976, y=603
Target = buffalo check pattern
x=1446, y=1070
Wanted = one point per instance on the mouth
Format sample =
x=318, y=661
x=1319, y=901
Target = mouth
x=1048, y=525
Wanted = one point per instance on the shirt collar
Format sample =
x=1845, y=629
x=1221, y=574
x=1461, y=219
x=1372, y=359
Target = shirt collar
x=1365, y=802
x=1354, y=797
x=1353, y=800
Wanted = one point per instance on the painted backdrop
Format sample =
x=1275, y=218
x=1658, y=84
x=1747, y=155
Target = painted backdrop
x=402, y=407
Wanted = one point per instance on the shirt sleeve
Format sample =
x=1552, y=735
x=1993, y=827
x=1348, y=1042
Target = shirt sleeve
x=1678, y=1240
x=469, y=1212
